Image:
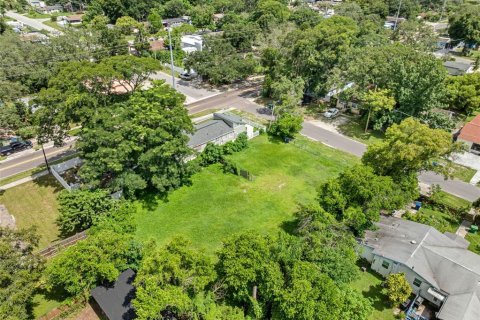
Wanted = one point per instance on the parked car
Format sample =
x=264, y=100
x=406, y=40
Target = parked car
x=15, y=147
x=331, y=113
x=187, y=76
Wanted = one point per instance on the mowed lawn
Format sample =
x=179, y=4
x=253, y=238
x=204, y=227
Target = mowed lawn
x=370, y=285
x=35, y=204
x=218, y=205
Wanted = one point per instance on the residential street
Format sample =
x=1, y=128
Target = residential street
x=30, y=159
x=186, y=87
x=33, y=23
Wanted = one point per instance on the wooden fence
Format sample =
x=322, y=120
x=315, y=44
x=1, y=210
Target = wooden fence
x=53, y=249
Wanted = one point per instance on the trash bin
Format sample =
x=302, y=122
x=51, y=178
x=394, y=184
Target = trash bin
x=418, y=205
x=473, y=229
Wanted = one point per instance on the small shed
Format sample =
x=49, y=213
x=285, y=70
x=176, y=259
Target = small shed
x=113, y=302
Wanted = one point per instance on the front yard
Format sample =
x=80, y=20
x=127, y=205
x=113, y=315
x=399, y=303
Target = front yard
x=35, y=204
x=218, y=205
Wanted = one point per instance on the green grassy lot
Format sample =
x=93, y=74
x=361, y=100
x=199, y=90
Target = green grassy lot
x=443, y=222
x=35, y=204
x=203, y=113
x=53, y=25
x=463, y=173
x=474, y=240
x=356, y=131
x=370, y=285
x=218, y=205
x=36, y=15
x=451, y=200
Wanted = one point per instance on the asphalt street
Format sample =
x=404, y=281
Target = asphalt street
x=192, y=92
x=30, y=159
x=34, y=23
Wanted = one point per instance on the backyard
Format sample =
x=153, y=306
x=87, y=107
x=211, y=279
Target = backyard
x=217, y=205
x=370, y=285
x=35, y=204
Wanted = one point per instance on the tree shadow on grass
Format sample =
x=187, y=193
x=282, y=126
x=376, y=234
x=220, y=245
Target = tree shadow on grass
x=377, y=297
x=58, y=295
x=289, y=226
x=49, y=181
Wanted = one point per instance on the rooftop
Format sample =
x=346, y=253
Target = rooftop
x=442, y=261
x=115, y=300
x=220, y=125
x=471, y=131
x=456, y=68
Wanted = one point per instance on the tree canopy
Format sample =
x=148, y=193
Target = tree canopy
x=410, y=147
x=20, y=268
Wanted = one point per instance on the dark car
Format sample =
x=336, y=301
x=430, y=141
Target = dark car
x=187, y=76
x=15, y=147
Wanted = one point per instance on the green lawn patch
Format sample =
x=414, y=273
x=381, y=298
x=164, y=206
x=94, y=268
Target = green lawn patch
x=463, y=173
x=53, y=24
x=34, y=203
x=451, y=201
x=443, y=222
x=370, y=285
x=203, y=113
x=356, y=130
x=218, y=205
x=474, y=240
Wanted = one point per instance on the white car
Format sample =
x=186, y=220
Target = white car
x=331, y=113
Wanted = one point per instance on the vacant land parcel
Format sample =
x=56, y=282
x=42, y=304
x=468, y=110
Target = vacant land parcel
x=217, y=205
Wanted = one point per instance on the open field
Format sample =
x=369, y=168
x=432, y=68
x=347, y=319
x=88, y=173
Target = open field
x=35, y=204
x=217, y=205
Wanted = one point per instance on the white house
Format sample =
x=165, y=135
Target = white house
x=191, y=43
x=438, y=266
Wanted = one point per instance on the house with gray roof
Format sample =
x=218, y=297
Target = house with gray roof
x=458, y=68
x=437, y=265
x=220, y=129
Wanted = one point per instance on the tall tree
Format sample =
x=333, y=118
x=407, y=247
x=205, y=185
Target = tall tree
x=463, y=93
x=138, y=143
x=415, y=79
x=170, y=280
x=397, y=287
x=464, y=25
x=20, y=270
x=375, y=101
x=410, y=147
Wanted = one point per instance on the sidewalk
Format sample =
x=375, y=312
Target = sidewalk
x=23, y=180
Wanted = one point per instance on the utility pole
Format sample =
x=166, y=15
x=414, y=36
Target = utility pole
x=443, y=9
x=45, y=156
x=398, y=13
x=171, y=55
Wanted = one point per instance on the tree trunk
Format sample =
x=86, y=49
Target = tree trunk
x=254, y=293
x=368, y=119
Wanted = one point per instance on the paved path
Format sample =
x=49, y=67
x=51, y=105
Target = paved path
x=33, y=23
x=23, y=180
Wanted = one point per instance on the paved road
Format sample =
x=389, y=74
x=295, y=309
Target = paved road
x=33, y=23
x=31, y=159
x=193, y=93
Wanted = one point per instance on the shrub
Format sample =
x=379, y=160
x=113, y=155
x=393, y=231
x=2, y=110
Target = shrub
x=80, y=209
x=211, y=154
x=398, y=289
x=286, y=126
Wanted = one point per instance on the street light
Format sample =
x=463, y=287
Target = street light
x=171, y=55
